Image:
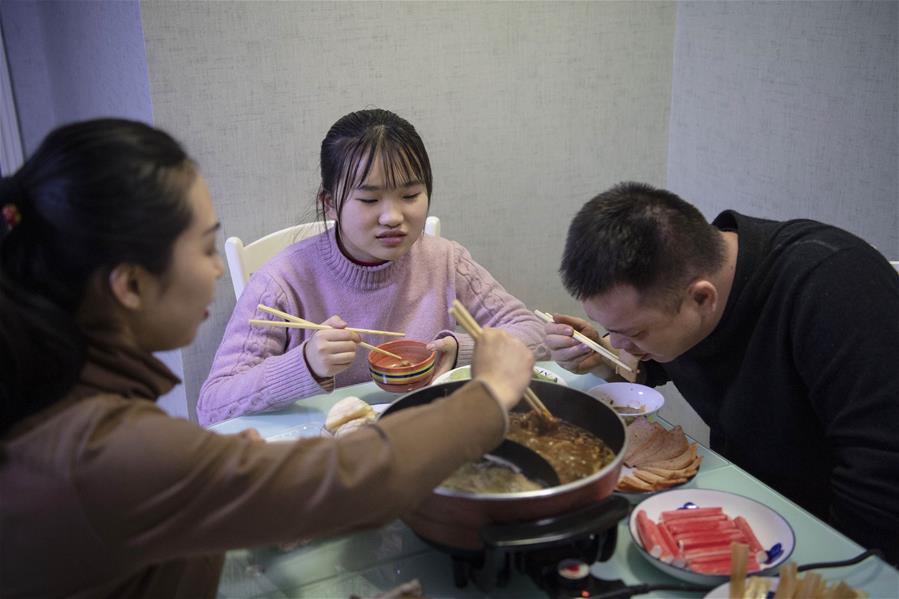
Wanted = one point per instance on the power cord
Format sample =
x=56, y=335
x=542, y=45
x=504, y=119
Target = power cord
x=849, y=562
x=641, y=589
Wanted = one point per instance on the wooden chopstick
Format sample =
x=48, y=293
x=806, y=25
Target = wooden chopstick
x=293, y=318
x=289, y=325
x=298, y=323
x=605, y=353
x=468, y=323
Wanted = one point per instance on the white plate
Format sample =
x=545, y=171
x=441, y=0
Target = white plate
x=723, y=591
x=629, y=395
x=769, y=527
x=463, y=373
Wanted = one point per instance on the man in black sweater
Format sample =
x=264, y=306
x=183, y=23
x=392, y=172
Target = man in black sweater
x=783, y=336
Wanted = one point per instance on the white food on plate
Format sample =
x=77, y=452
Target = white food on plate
x=345, y=410
x=348, y=427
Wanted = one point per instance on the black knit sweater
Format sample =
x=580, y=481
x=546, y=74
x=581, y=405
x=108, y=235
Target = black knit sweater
x=800, y=380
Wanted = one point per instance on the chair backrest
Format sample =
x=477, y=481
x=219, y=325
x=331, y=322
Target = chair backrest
x=244, y=260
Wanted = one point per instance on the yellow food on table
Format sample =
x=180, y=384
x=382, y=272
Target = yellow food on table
x=347, y=412
x=790, y=585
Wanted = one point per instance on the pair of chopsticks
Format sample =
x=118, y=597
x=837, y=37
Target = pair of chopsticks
x=605, y=353
x=295, y=322
x=471, y=326
x=298, y=323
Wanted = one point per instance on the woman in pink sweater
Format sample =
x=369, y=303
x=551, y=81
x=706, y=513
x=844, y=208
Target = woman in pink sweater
x=373, y=269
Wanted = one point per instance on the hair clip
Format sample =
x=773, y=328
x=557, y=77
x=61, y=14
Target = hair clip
x=11, y=215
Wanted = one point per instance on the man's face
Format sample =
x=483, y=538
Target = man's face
x=647, y=330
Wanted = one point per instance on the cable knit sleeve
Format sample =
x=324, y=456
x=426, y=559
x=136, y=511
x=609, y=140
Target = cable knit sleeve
x=492, y=306
x=256, y=368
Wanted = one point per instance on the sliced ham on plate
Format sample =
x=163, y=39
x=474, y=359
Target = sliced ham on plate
x=657, y=458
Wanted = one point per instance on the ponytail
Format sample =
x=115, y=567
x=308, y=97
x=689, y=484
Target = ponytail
x=94, y=195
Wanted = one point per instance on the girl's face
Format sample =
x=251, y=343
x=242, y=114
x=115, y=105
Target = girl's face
x=175, y=304
x=379, y=223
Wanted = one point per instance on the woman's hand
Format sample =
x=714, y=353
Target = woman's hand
x=330, y=351
x=448, y=348
x=504, y=363
x=251, y=435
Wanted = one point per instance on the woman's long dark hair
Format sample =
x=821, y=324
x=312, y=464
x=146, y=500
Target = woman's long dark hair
x=95, y=194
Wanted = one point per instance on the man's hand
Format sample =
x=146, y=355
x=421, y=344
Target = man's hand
x=252, y=435
x=570, y=353
x=574, y=356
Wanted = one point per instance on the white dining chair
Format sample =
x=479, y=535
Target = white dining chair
x=244, y=260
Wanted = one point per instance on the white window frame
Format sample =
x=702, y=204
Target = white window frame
x=11, y=154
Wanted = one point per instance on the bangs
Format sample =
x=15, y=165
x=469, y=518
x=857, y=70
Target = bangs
x=402, y=163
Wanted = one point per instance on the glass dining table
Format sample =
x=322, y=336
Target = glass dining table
x=370, y=563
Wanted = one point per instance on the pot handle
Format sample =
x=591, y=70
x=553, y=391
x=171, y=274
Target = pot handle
x=596, y=517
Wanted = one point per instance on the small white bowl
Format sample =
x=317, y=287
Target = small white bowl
x=629, y=399
x=463, y=373
x=769, y=527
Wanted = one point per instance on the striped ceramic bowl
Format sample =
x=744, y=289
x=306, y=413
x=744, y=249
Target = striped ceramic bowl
x=402, y=377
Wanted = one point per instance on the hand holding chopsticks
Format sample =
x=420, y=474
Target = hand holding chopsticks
x=471, y=326
x=602, y=351
x=296, y=322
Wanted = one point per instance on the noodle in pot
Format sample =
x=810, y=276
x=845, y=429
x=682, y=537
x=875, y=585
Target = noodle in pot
x=573, y=452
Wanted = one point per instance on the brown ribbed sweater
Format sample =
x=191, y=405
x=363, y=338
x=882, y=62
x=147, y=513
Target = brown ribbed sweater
x=104, y=495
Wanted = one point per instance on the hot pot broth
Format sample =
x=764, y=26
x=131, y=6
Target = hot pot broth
x=573, y=452
x=394, y=363
x=456, y=520
x=486, y=476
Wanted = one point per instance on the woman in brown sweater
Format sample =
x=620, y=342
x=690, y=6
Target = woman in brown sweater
x=108, y=254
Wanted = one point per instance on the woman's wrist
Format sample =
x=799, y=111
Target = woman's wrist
x=326, y=382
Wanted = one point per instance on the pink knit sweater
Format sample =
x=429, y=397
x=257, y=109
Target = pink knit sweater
x=263, y=368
